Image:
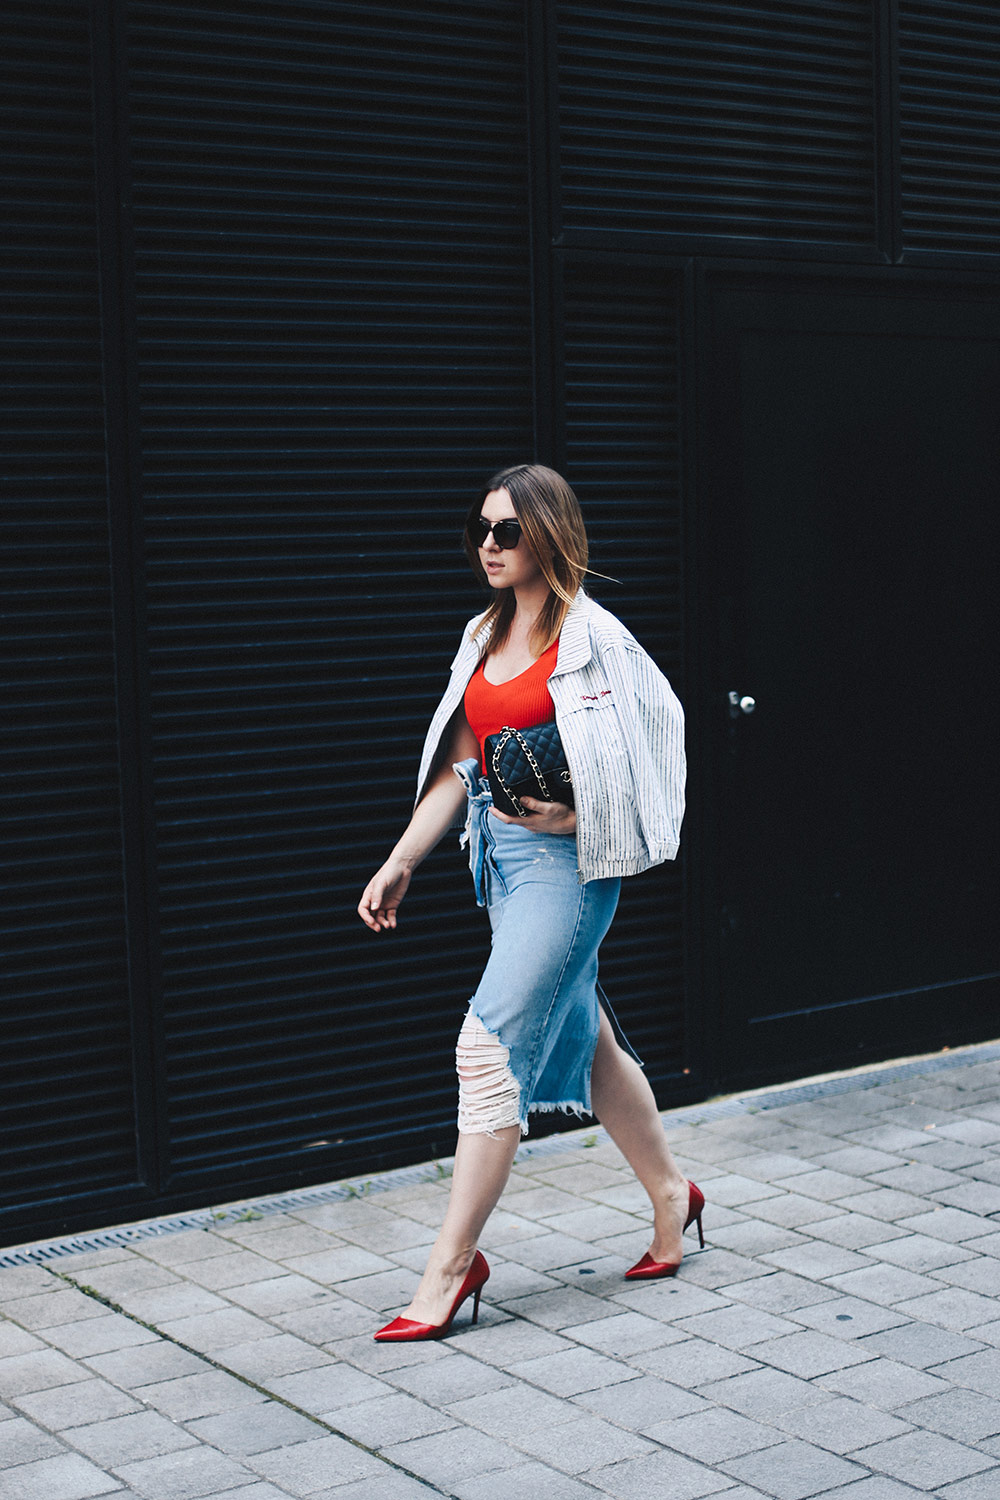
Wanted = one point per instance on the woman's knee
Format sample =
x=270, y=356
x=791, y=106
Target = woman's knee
x=488, y=1095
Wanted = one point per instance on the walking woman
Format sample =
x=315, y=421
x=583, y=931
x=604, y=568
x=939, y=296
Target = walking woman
x=539, y=1034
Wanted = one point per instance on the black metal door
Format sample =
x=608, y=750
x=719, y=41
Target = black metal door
x=853, y=477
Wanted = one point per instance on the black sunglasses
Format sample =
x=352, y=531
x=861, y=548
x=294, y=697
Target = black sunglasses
x=506, y=534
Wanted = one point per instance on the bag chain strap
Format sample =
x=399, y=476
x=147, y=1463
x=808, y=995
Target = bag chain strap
x=506, y=734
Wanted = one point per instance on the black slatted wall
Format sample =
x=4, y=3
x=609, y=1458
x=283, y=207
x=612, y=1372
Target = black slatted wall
x=950, y=128
x=333, y=305
x=303, y=276
x=66, y=1103
x=620, y=407
x=750, y=122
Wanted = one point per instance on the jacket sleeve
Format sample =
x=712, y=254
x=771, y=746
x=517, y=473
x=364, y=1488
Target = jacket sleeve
x=653, y=721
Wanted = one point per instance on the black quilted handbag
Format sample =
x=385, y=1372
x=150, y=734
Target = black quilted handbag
x=527, y=763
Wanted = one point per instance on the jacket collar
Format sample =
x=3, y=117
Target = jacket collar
x=574, y=638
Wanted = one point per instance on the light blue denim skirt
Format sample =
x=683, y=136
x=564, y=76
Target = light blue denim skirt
x=539, y=993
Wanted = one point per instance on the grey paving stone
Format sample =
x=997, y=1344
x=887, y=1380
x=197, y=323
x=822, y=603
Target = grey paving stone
x=983, y=1486
x=68, y=1477
x=386, y=1292
x=77, y=1404
x=624, y=1334
x=918, y=1252
x=883, y=1203
x=927, y=1460
x=816, y=1260
x=764, y=1393
x=972, y=1132
x=769, y=1166
x=213, y=1332
x=144, y=1434
x=519, y=1483
x=449, y=1379
x=952, y=1224
x=947, y=1154
x=952, y=1307
x=133, y=1273
x=571, y=1371
x=585, y=1443
x=779, y=1292
x=388, y=1236
x=738, y=1327
x=884, y=1383
x=460, y=1453
x=830, y=1186
x=733, y=1190
x=884, y=1284
x=264, y=1360
x=144, y=1365
x=793, y=1470
x=99, y=1336
x=713, y=1435
x=282, y=1242
x=255, y=1429
x=849, y=1317
x=547, y=1252
x=975, y=1273
x=559, y=1308
x=390, y=1419
x=859, y=1161
x=278, y=1294
x=875, y=1487
x=57, y=1304
x=854, y=1231
x=187, y=1245
x=986, y=1244
x=842, y=1425
x=921, y=1345
x=656, y=1476
x=377, y=1359
x=582, y=1176
x=328, y=1322
x=166, y=1304
x=749, y=1237
x=792, y=1210
x=537, y=1201
x=595, y=1223
x=327, y=1389
x=961, y=1414
x=503, y=1343
x=669, y=1299
x=36, y=1371
x=641, y=1403
x=986, y=1333
x=15, y=1340
x=202, y=1395
x=917, y=1177
x=236, y=1267
x=692, y=1363
x=713, y=1268
x=513, y=1410
x=21, y=1442
x=809, y=1354
x=26, y=1281
x=899, y=1139
x=184, y=1475
x=980, y=1371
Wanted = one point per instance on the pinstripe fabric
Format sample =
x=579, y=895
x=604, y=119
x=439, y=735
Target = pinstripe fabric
x=622, y=728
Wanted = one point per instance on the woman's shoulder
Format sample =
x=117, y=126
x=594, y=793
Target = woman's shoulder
x=605, y=629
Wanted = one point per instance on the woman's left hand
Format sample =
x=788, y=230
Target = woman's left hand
x=543, y=817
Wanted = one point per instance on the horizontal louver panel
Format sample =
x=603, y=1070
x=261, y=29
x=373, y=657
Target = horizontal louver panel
x=333, y=303
x=950, y=126
x=622, y=416
x=747, y=122
x=66, y=1109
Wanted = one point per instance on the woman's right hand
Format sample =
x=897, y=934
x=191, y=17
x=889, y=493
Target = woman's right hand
x=383, y=893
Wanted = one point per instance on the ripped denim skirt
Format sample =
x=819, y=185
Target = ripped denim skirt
x=528, y=1040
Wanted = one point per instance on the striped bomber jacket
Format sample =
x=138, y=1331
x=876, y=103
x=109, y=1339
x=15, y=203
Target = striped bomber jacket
x=622, y=728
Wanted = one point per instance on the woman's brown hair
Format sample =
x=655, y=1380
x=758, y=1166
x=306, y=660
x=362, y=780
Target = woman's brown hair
x=552, y=526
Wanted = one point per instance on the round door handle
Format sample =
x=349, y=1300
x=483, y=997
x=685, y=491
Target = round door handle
x=741, y=704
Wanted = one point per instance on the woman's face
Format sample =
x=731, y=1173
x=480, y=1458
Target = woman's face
x=510, y=567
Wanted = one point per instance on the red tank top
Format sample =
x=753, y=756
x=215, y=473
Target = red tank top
x=522, y=702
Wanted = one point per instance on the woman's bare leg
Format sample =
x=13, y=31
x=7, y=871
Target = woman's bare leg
x=626, y=1106
x=482, y=1167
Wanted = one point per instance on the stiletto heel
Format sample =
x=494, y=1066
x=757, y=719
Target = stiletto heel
x=649, y=1269
x=407, y=1330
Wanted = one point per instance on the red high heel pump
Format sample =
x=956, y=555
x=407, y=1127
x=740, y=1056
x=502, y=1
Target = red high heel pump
x=649, y=1269
x=408, y=1331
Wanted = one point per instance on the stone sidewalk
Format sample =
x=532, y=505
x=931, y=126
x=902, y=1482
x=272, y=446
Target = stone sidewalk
x=838, y=1337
